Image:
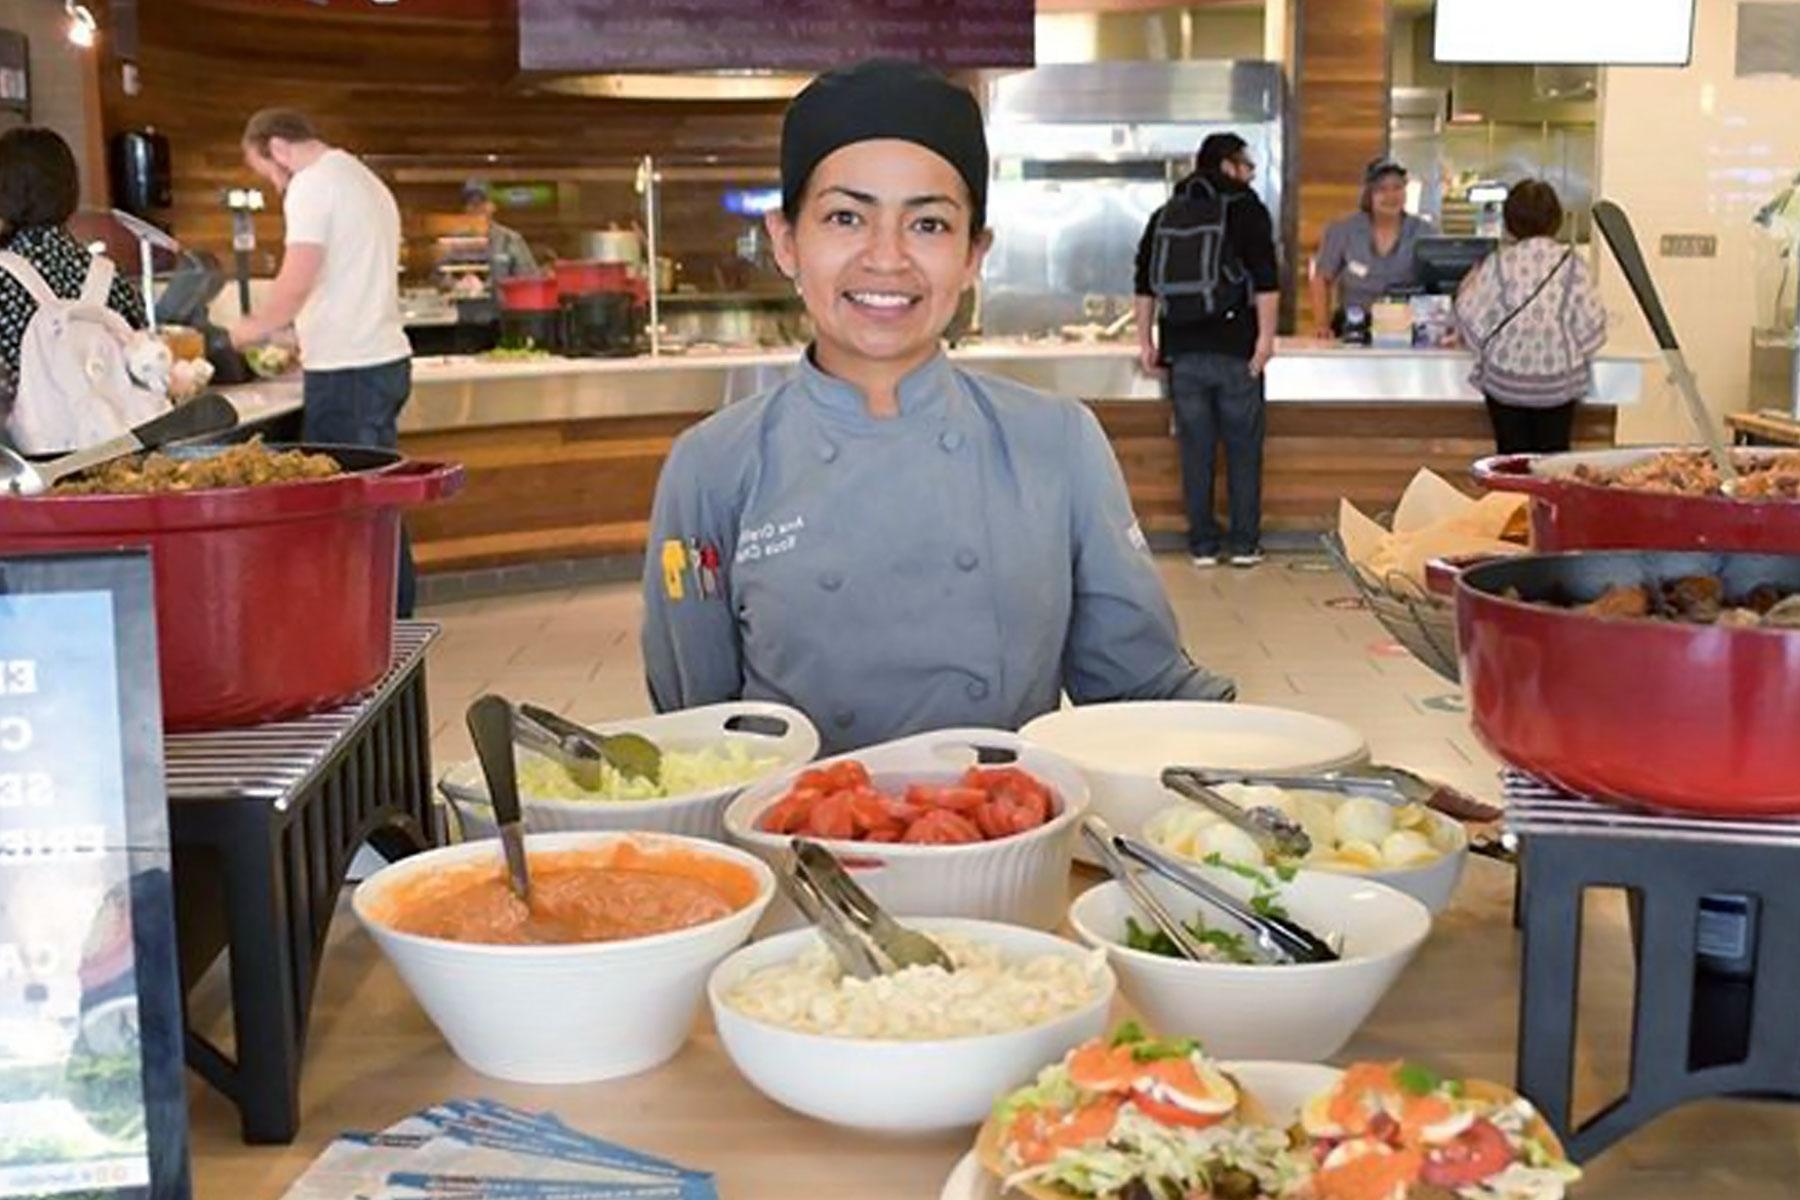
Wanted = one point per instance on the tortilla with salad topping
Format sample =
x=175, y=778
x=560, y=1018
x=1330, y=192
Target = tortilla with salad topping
x=1131, y=1117
x=1398, y=1131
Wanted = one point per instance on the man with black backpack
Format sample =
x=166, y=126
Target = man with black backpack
x=1207, y=294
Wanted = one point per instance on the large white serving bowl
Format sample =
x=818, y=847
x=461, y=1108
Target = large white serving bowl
x=1431, y=884
x=1298, y=1011
x=1282, y=1088
x=765, y=730
x=894, y=1086
x=1018, y=880
x=1123, y=747
x=575, y=1013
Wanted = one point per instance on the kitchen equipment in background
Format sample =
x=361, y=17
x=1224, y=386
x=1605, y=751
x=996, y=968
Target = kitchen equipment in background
x=600, y=310
x=531, y=312
x=1775, y=338
x=1444, y=261
x=1083, y=154
x=141, y=171
x=613, y=245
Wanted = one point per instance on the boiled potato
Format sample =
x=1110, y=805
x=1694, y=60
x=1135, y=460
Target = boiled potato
x=1363, y=820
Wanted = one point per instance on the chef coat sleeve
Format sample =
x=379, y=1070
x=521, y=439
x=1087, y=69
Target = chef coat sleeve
x=692, y=648
x=1123, y=643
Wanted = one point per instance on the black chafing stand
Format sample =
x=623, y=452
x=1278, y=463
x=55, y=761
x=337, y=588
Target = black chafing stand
x=1715, y=916
x=265, y=822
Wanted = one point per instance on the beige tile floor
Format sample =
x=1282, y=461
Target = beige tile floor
x=373, y=1056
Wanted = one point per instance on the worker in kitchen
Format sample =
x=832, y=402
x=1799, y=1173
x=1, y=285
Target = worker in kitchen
x=1368, y=254
x=1208, y=291
x=885, y=541
x=509, y=254
x=339, y=286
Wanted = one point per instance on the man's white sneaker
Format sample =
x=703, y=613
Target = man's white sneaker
x=1204, y=561
x=1247, y=560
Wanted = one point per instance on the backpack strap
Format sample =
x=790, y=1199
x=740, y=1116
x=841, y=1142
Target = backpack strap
x=20, y=268
x=96, y=288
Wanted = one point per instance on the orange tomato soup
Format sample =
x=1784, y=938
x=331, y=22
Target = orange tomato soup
x=607, y=894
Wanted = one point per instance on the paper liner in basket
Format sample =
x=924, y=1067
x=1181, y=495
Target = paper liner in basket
x=1432, y=520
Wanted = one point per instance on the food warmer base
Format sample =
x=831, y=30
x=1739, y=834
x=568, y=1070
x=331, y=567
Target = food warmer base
x=1715, y=915
x=265, y=821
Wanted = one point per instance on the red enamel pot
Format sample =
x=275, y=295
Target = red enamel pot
x=1568, y=514
x=1697, y=718
x=271, y=602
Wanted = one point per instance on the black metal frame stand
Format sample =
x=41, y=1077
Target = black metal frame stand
x=260, y=876
x=1697, y=1031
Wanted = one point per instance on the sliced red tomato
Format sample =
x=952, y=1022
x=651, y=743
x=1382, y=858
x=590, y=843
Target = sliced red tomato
x=787, y=815
x=941, y=827
x=960, y=799
x=886, y=833
x=868, y=808
x=1164, y=1113
x=831, y=818
x=1480, y=1151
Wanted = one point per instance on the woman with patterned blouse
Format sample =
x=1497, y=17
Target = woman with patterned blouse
x=39, y=191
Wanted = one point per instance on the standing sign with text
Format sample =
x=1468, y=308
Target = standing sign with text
x=771, y=35
x=91, y=1084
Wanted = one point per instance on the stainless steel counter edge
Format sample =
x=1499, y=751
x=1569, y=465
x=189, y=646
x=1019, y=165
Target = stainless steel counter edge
x=469, y=392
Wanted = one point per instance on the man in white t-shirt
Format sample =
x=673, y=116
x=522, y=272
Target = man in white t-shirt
x=339, y=286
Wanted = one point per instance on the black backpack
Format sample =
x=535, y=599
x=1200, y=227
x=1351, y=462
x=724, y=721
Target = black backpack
x=1195, y=272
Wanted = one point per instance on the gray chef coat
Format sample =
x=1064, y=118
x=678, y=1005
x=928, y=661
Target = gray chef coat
x=958, y=565
x=509, y=254
x=1347, y=255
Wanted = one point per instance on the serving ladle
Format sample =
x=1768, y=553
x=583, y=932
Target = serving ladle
x=204, y=416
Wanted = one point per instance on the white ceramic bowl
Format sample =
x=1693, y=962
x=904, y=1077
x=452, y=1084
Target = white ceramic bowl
x=897, y=1087
x=1299, y=1011
x=1431, y=884
x=751, y=724
x=1124, y=747
x=1020, y=880
x=565, y=1013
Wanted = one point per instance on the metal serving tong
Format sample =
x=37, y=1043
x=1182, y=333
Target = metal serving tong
x=1100, y=836
x=581, y=751
x=1391, y=785
x=1280, y=939
x=860, y=934
x=1273, y=831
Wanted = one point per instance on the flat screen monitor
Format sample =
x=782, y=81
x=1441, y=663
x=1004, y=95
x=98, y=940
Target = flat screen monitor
x=1601, y=32
x=1443, y=261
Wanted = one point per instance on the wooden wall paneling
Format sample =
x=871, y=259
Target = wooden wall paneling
x=1342, y=79
x=426, y=81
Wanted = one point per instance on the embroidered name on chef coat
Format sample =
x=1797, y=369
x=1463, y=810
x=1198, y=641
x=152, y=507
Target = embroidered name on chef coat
x=771, y=539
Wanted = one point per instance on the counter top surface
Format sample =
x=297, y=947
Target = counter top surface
x=373, y=1057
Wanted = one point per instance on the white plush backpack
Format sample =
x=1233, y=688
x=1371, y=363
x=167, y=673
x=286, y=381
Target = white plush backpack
x=74, y=386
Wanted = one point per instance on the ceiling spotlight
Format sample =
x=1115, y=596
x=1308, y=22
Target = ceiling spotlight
x=83, y=28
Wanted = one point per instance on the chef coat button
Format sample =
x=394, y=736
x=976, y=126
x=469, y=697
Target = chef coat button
x=967, y=560
x=827, y=452
x=831, y=581
x=978, y=689
x=843, y=718
x=950, y=440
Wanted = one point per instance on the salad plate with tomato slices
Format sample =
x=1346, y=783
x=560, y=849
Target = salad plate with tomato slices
x=1136, y=1117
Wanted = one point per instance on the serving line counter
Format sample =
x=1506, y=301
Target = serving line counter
x=563, y=454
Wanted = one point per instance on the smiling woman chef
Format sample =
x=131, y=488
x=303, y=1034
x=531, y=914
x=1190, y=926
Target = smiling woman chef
x=887, y=542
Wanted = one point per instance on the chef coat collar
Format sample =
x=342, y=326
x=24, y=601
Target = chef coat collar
x=924, y=393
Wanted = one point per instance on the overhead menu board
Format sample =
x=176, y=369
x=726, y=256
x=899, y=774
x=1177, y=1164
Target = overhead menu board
x=782, y=35
x=1600, y=32
x=92, y=1099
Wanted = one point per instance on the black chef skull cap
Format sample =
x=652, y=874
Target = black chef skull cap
x=883, y=98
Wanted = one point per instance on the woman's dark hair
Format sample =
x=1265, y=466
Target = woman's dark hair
x=39, y=183
x=1532, y=210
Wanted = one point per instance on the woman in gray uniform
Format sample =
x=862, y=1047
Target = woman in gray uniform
x=887, y=542
x=1368, y=254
